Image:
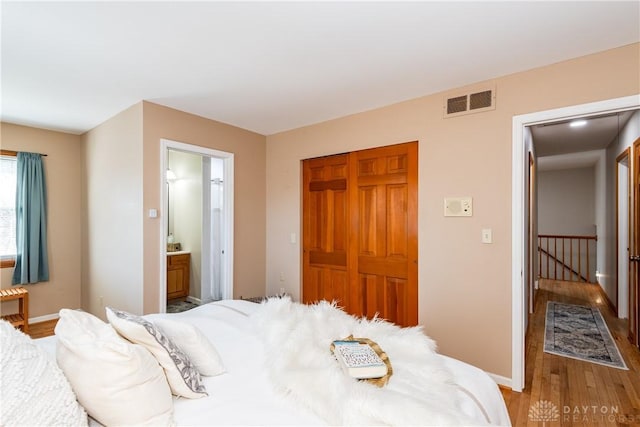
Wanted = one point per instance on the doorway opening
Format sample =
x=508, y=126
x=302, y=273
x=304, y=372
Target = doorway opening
x=521, y=146
x=197, y=230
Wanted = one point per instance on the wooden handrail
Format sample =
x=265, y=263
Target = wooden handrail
x=567, y=236
x=548, y=251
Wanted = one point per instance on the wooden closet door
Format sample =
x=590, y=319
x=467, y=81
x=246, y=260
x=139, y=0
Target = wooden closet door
x=360, y=239
x=325, y=230
x=384, y=239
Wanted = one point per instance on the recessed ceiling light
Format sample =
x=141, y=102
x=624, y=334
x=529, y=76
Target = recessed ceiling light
x=578, y=123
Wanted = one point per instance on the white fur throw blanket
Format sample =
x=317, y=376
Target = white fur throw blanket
x=34, y=391
x=301, y=366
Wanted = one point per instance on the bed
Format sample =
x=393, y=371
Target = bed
x=275, y=375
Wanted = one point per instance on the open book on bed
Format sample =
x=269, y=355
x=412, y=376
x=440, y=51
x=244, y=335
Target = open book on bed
x=277, y=370
x=359, y=360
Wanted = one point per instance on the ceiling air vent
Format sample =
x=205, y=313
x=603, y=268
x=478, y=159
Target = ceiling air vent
x=457, y=104
x=473, y=101
x=480, y=100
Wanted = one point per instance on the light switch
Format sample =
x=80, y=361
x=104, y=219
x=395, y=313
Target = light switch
x=153, y=213
x=293, y=238
x=458, y=206
x=487, y=235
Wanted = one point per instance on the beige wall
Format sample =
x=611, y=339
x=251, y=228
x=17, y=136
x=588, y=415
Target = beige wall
x=249, y=196
x=567, y=201
x=63, y=175
x=464, y=285
x=567, y=206
x=112, y=214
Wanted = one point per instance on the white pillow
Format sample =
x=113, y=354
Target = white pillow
x=33, y=388
x=117, y=382
x=197, y=347
x=183, y=377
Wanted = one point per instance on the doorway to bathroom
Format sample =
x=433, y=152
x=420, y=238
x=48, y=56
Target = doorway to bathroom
x=197, y=229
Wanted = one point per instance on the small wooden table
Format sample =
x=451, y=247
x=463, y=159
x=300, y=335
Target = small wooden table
x=21, y=318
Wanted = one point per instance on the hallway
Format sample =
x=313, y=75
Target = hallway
x=585, y=394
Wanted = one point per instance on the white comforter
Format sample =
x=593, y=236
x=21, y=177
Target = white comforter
x=245, y=395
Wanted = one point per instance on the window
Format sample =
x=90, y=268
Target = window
x=8, y=172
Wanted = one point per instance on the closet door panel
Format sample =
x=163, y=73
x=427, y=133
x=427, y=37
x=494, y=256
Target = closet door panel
x=325, y=230
x=385, y=192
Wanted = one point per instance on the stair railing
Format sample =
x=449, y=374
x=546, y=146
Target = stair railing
x=563, y=257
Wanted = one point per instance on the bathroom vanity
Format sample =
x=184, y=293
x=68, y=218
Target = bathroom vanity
x=178, y=273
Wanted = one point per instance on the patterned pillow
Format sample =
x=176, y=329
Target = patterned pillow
x=182, y=376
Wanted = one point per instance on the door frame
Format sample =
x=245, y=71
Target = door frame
x=227, y=212
x=634, y=219
x=532, y=218
x=518, y=226
x=626, y=154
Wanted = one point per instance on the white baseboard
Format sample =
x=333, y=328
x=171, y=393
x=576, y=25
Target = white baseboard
x=194, y=300
x=43, y=318
x=500, y=380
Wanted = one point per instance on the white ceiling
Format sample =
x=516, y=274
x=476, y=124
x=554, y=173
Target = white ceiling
x=583, y=159
x=560, y=138
x=270, y=67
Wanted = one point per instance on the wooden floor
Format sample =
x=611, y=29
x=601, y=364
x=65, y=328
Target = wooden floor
x=42, y=329
x=585, y=394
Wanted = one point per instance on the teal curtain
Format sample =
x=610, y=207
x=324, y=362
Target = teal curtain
x=32, y=263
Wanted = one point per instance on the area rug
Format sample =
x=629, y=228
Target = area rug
x=581, y=333
x=180, y=306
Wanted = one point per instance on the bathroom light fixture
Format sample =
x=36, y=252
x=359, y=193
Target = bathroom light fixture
x=577, y=123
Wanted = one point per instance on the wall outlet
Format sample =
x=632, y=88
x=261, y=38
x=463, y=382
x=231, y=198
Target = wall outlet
x=281, y=291
x=282, y=276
